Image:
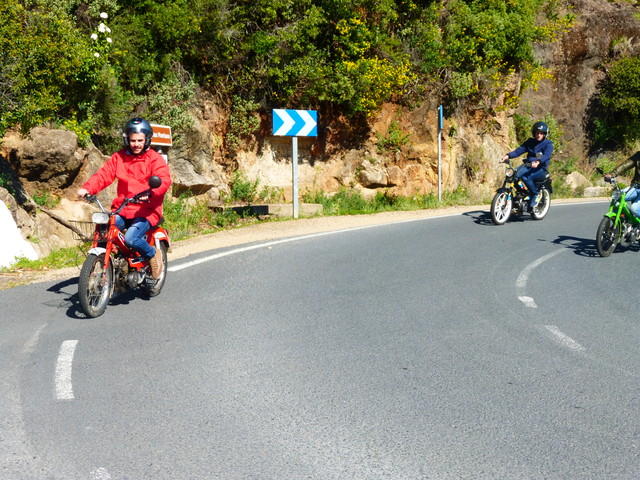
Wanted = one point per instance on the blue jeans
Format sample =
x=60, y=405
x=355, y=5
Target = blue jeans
x=529, y=175
x=134, y=236
x=633, y=199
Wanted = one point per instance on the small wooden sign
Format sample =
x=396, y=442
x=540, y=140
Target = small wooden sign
x=161, y=135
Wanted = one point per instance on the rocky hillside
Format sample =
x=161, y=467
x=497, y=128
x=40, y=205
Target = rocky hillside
x=603, y=32
x=343, y=155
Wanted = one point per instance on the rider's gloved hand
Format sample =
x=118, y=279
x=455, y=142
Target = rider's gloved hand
x=82, y=193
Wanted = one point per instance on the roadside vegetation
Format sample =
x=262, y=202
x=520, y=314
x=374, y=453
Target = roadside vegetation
x=187, y=217
x=86, y=65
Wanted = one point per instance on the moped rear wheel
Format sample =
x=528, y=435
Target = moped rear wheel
x=95, y=285
x=607, y=237
x=501, y=208
x=154, y=289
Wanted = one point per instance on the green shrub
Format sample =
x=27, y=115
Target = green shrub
x=394, y=140
x=45, y=65
x=187, y=216
x=618, y=121
x=45, y=199
x=61, y=258
x=242, y=189
x=243, y=121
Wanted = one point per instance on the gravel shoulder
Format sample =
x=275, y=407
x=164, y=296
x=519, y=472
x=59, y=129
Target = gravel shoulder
x=266, y=231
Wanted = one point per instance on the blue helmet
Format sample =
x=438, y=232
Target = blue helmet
x=540, y=127
x=137, y=125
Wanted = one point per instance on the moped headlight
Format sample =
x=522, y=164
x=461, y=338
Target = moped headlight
x=616, y=195
x=100, y=218
x=509, y=172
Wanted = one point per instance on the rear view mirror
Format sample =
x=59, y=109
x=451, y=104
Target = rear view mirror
x=155, y=181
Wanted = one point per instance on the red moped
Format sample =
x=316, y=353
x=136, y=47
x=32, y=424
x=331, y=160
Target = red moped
x=111, y=266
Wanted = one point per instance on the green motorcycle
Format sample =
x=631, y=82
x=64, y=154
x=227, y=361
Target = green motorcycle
x=619, y=225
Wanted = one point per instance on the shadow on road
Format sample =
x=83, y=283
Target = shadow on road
x=586, y=247
x=69, y=290
x=484, y=218
x=69, y=300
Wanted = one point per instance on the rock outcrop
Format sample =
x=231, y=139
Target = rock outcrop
x=602, y=32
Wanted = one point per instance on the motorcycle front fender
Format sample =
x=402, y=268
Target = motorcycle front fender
x=613, y=214
x=97, y=251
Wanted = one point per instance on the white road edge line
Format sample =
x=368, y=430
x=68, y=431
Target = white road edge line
x=563, y=339
x=64, y=388
x=175, y=268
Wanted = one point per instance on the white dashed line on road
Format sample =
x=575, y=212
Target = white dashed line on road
x=528, y=301
x=64, y=387
x=523, y=278
x=563, y=339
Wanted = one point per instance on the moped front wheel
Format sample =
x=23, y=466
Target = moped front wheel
x=501, y=208
x=607, y=237
x=542, y=208
x=95, y=285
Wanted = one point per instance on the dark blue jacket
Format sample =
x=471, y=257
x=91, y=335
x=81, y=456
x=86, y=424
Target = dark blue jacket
x=531, y=147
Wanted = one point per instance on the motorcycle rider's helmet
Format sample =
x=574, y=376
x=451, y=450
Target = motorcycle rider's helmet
x=540, y=127
x=137, y=125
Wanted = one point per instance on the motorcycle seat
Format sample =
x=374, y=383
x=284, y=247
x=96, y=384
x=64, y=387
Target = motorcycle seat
x=546, y=177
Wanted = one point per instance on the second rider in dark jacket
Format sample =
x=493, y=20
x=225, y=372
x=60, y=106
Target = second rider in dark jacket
x=535, y=166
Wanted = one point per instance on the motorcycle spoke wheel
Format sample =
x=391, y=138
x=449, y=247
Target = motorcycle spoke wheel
x=154, y=287
x=94, y=286
x=607, y=237
x=542, y=208
x=501, y=208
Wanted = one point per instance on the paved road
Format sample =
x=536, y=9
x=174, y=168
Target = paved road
x=440, y=348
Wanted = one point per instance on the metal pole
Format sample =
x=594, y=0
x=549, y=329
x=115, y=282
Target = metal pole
x=294, y=143
x=439, y=168
x=440, y=121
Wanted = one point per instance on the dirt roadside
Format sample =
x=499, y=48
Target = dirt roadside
x=262, y=232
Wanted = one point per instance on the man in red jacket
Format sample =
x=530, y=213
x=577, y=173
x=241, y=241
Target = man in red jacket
x=132, y=166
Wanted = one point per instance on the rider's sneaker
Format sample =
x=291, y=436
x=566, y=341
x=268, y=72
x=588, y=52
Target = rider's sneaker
x=155, y=263
x=534, y=201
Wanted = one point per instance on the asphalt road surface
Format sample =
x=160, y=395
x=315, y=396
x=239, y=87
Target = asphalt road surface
x=440, y=348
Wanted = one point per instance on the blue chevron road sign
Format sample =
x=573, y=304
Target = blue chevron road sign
x=295, y=123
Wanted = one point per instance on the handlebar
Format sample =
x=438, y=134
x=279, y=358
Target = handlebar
x=154, y=182
x=135, y=199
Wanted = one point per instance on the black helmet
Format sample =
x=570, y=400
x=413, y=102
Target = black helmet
x=137, y=125
x=540, y=127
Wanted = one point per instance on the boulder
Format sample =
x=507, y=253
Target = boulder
x=44, y=158
x=576, y=180
x=372, y=175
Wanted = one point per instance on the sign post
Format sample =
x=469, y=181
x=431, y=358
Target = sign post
x=295, y=123
x=440, y=127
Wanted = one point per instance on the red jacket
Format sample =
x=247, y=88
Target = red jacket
x=133, y=172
